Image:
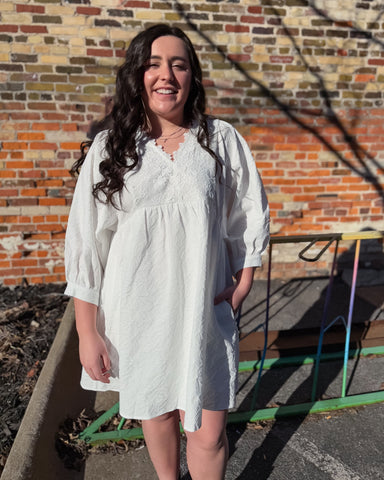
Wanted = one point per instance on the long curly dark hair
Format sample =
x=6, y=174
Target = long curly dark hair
x=128, y=115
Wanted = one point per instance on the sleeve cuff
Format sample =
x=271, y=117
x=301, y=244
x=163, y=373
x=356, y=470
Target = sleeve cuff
x=82, y=293
x=244, y=262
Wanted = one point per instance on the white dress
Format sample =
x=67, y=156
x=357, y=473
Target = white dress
x=154, y=266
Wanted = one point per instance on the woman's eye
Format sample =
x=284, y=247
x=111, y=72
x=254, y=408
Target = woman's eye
x=152, y=65
x=179, y=67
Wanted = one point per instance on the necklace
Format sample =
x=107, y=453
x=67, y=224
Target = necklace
x=165, y=138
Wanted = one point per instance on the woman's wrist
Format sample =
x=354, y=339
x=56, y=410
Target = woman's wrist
x=244, y=278
x=85, y=317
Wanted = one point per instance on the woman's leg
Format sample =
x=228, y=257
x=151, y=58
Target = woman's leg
x=207, y=448
x=162, y=437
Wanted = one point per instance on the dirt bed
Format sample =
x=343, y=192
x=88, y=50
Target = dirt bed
x=29, y=319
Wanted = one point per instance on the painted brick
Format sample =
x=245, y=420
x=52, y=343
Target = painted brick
x=46, y=19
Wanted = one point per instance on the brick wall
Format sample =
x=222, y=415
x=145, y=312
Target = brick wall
x=301, y=79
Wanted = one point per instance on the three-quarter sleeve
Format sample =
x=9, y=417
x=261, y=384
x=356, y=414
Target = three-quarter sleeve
x=247, y=212
x=91, y=225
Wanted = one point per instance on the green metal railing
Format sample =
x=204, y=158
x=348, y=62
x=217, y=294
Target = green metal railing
x=92, y=435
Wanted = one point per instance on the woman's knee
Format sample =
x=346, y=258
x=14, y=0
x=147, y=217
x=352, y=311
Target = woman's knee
x=165, y=417
x=208, y=440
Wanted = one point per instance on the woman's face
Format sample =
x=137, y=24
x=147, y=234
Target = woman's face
x=167, y=80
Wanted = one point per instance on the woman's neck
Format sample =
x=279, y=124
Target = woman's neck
x=159, y=127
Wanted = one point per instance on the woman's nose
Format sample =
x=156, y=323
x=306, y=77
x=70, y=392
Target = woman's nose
x=166, y=72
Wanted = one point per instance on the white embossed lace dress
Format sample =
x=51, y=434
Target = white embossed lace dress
x=154, y=266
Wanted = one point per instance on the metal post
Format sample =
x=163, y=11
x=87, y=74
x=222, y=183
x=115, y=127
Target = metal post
x=350, y=312
x=323, y=322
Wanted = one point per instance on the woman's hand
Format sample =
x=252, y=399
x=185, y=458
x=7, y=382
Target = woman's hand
x=236, y=294
x=94, y=356
x=92, y=349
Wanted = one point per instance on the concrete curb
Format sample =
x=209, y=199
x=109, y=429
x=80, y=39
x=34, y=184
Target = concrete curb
x=57, y=395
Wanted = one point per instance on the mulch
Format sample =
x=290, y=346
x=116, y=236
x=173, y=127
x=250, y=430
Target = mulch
x=29, y=319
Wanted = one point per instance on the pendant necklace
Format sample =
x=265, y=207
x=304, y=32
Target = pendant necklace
x=165, y=138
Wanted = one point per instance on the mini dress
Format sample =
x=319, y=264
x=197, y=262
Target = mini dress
x=154, y=265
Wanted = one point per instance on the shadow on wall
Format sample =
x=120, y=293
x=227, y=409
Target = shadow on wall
x=369, y=305
x=365, y=161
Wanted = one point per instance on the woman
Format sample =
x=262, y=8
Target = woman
x=167, y=209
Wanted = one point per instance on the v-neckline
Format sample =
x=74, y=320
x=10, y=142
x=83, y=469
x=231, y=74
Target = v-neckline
x=170, y=158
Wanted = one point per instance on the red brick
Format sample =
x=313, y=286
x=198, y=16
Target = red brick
x=7, y=174
x=33, y=29
x=50, y=227
x=20, y=164
x=99, y=52
x=70, y=127
x=17, y=155
x=255, y=9
x=33, y=192
x=9, y=28
x=12, y=272
x=13, y=106
x=8, y=192
x=43, y=146
x=273, y=173
x=15, y=146
x=36, y=271
x=236, y=28
x=30, y=8
x=52, y=201
x=25, y=262
x=55, y=116
x=58, y=173
x=53, y=278
x=25, y=116
x=376, y=61
x=365, y=78
x=30, y=136
x=59, y=269
x=11, y=281
x=49, y=183
x=291, y=189
x=70, y=146
x=31, y=173
x=46, y=126
x=8, y=219
x=285, y=147
x=88, y=10
x=251, y=19
x=283, y=181
x=137, y=4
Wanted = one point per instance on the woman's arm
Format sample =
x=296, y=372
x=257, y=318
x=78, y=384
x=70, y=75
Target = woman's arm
x=236, y=294
x=92, y=349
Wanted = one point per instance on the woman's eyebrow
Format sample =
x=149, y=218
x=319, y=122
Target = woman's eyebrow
x=158, y=57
